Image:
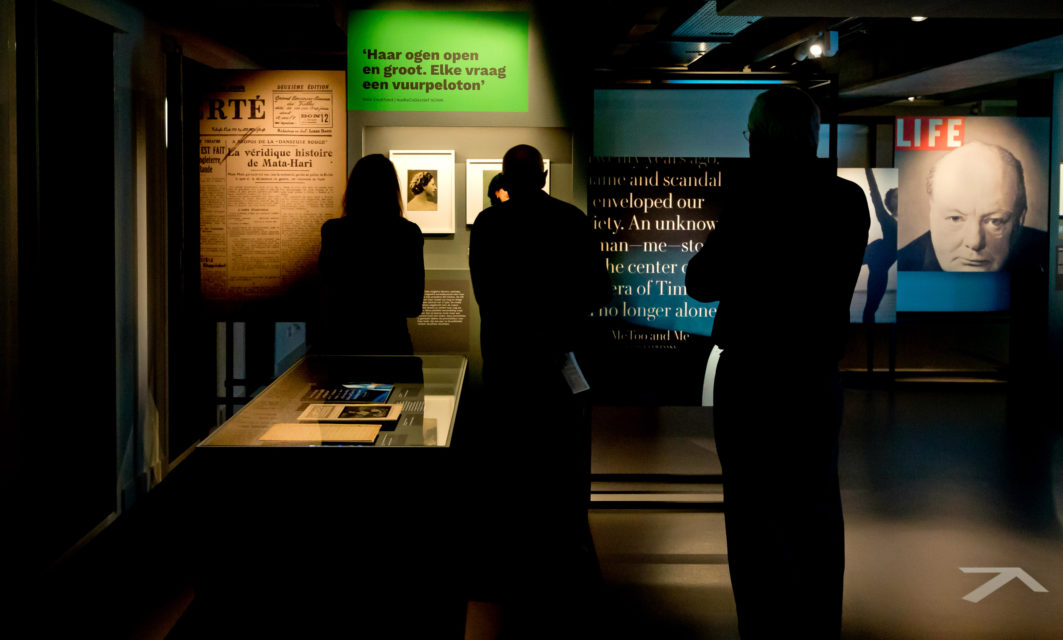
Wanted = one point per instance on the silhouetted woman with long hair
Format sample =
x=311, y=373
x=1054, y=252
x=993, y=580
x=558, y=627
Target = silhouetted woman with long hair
x=372, y=264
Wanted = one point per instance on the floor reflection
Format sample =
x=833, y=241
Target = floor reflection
x=935, y=478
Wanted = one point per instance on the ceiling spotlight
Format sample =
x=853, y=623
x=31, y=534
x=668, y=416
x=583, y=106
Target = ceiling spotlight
x=824, y=44
x=918, y=18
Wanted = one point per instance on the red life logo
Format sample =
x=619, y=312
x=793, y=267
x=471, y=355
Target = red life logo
x=929, y=134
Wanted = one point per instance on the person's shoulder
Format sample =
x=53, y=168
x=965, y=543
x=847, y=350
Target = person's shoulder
x=851, y=205
x=565, y=211
x=409, y=228
x=336, y=229
x=557, y=202
x=847, y=188
x=502, y=220
x=407, y=225
x=849, y=195
x=518, y=210
x=488, y=216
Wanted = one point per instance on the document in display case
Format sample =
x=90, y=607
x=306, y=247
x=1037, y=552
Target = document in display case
x=358, y=392
x=351, y=413
x=322, y=433
x=413, y=399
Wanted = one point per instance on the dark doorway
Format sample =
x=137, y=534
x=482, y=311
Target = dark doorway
x=66, y=219
x=192, y=345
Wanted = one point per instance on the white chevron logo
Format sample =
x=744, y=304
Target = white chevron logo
x=1004, y=576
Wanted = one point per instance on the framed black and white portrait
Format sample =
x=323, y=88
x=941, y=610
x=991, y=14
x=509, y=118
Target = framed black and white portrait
x=426, y=179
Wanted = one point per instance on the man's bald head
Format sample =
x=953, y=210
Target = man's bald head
x=522, y=167
x=977, y=206
x=1002, y=166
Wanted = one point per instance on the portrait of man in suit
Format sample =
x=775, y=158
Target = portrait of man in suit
x=977, y=207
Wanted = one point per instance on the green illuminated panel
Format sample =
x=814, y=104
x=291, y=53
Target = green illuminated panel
x=437, y=61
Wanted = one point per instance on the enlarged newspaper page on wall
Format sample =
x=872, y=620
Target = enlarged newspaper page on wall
x=272, y=170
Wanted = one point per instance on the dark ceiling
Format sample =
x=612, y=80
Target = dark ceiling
x=965, y=52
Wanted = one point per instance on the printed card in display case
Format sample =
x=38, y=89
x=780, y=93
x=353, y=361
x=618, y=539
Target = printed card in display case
x=351, y=413
x=358, y=392
x=308, y=433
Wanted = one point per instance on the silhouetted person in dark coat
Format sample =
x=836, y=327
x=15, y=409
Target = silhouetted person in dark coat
x=783, y=262
x=372, y=264
x=537, y=275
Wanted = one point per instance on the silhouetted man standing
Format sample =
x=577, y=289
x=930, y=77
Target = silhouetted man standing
x=783, y=262
x=537, y=274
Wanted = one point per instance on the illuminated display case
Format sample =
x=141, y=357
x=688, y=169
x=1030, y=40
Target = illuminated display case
x=295, y=538
x=427, y=389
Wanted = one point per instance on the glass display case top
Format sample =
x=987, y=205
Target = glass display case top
x=352, y=401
